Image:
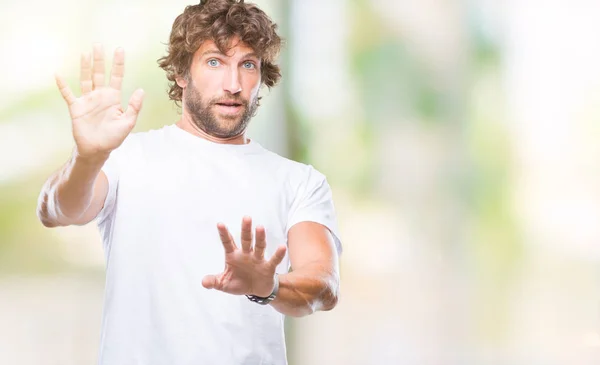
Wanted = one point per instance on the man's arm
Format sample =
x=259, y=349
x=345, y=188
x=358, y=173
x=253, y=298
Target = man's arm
x=313, y=284
x=75, y=194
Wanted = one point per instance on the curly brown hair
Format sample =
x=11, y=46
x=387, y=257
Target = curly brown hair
x=219, y=21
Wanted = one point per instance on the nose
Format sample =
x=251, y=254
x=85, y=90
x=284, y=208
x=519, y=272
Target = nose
x=231, y=81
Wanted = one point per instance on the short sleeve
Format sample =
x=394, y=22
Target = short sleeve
x=111, y=169
x=314, y=203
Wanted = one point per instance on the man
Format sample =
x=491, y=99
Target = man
x=164, y=199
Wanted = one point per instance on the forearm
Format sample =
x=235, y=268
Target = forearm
x=68, y=193
x=305, y=291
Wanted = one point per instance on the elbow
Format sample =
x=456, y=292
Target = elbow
x=330, y=305
x=44, y=219
x=48, y=223
x=331, y=295
x=331, y=301
x=43, y=213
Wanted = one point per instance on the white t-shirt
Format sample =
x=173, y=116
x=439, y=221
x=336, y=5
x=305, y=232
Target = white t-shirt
x=168, y=189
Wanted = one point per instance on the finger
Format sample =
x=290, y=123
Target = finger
x=118, y=69
x=261, y=243
x=65, y=91
x=86, y=73
x=278, y=256
x=211, y=282
x=247, y=234
x=226, y=239
x=98, y=76
x=135, y=105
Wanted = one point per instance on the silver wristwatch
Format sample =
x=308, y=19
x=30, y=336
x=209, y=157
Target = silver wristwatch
x=270, y=298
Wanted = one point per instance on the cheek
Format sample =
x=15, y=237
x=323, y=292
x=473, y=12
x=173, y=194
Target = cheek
x=208, y=81
x=252, y=84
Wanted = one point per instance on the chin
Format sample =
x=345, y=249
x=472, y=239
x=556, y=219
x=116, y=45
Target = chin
x=227, y=132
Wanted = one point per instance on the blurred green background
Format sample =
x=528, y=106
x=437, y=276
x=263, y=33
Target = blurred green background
x=461, y=140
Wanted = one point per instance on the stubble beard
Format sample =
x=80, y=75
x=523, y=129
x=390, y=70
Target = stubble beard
x=223, y=126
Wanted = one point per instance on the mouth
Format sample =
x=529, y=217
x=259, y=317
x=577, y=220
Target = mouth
x=230, y=103
x=229, y=107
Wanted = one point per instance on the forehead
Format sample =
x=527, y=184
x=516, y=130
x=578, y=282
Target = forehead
x=235, y=48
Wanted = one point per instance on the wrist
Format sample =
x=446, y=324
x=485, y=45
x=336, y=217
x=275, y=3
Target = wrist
x=266, y=300
x=96, y=159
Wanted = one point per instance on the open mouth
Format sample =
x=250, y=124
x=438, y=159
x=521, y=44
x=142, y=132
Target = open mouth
x=229, y=107
x=230, y=104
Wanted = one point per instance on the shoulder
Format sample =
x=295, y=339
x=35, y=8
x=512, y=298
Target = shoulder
x=151, y=136
x=293, y=171
x=142, y=142
x=299, y=179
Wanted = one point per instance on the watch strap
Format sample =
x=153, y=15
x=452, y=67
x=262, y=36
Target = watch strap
x=270, y=298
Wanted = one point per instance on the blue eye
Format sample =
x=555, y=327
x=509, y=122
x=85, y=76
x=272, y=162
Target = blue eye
x=213, y=63
x=249, y=65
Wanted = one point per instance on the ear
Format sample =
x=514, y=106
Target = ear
x=181, y=81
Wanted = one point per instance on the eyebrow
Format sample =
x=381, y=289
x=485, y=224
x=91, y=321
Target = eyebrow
x=216, y=51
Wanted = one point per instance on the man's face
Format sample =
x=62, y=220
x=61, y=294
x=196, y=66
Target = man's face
x=220, y=91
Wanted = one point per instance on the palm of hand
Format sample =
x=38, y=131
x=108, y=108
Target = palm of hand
x=99, y=123
x=246, y=269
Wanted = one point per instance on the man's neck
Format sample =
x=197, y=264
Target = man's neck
x=187, y=125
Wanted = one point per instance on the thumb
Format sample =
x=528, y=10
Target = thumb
x=135, y=105
x=64, y=89
x=210, y=281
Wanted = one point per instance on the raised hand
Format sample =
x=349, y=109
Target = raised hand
x=99, y=122
x=246, y=269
